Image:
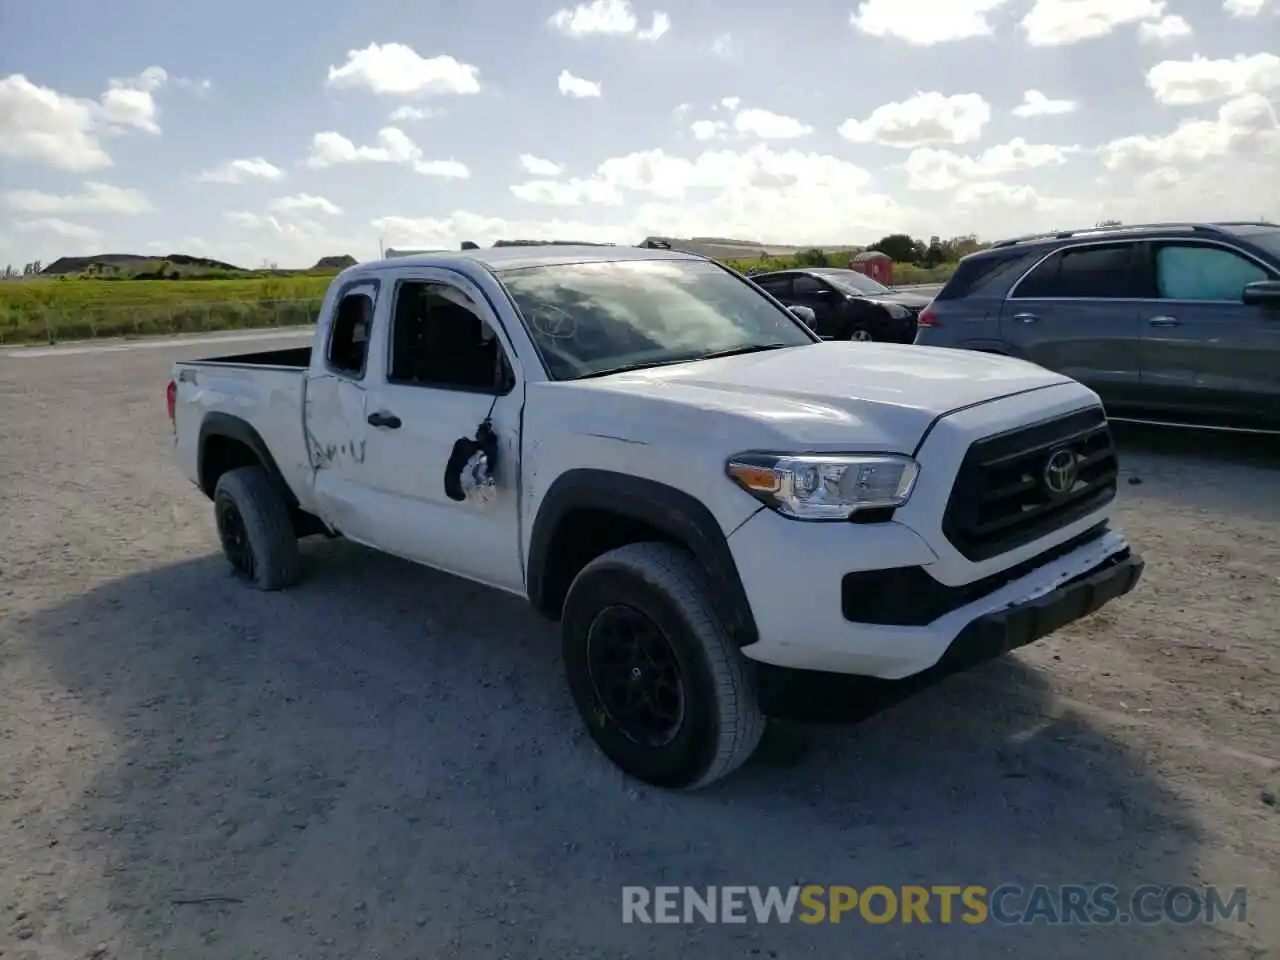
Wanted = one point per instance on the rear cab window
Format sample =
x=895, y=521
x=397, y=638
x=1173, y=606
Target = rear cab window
x=348, y=349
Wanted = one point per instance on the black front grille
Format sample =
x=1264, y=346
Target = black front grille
x=1002, y=499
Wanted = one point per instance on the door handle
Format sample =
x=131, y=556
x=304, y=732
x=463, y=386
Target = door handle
x=1025, y=317
x=384, y=419
x=1163, y=321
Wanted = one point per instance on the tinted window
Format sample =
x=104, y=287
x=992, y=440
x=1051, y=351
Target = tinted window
x=439, y=340
x=776, y=286
x=978, y=272
x=593, y=318
x=806, y=286
x=1101, y=271
x=349, y=338
x=1189, y=272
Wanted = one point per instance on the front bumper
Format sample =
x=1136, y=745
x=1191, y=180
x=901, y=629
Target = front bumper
x=804, y=620
x=1019, y=624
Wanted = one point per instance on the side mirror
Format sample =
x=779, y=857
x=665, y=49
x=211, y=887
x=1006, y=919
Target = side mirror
x=1263, y=293
x=806, y=315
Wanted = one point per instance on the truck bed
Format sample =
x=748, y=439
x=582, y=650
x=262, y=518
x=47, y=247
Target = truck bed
x=293, y=357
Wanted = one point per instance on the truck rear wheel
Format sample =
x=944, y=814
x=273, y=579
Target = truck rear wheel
x=665, y=693
x=255, y=528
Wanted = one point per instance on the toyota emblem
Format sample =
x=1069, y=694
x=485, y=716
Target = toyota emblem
x=1061, y=471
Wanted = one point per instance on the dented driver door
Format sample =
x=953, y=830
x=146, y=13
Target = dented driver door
x=335, y=416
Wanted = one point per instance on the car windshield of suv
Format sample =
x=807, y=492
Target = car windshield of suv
x=850, y=281
x=591, y=319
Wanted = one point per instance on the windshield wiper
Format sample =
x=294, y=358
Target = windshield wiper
x=649, y=364
x=753, y=348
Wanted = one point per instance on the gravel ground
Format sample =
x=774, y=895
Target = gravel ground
x=385, y=762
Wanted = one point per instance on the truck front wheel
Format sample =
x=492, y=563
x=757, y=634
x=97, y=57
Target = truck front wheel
x=256, y=531
x=664, y=692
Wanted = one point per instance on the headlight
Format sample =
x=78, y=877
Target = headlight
x=897, y=311
x=825, y=487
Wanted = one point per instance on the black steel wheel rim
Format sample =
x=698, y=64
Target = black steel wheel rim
x=235, y=538
x=635, y=675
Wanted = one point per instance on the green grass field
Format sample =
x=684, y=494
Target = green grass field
x=76, y=308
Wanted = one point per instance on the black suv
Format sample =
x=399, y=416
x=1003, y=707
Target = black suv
x=847, y=305
x=1171, y=322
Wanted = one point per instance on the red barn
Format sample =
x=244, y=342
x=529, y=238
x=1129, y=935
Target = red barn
x=874, y=264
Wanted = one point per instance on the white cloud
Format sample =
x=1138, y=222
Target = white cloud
x=42, y=125
x=242, y=170
x=303, y=201
x=1201, y=80
x=925, y=23
x=730, y=103
x=655, y=173
x=924, y=120
x=330, y=149
x=930, y=169
x=707, y=129
x=1248, y=8
x=96, y=198
x=393, y=69
x=406, y=114
x=768, y=125
x=1036, y=104
x=539, y=167
x=608, y=18
x=201, y=86
x=572, y=86
x=60, y=228
x=449, y=169
x=658, y=28
x=1060, y=22
x=722, y=46
x=129, y=102
x=1172, y=27
x=569, y=193
x=1244, y=128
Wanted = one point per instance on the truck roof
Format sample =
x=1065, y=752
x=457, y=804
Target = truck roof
x=517, y=257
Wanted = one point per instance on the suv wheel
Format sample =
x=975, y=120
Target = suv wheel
x=665, y=693
x=861, y=334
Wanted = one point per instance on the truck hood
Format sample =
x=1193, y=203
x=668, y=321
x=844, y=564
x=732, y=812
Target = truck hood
x=877, y=394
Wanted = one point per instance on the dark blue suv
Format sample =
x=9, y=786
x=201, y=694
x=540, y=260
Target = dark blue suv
x=1174, y=322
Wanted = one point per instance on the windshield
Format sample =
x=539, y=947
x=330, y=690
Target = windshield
x=589, y=319
x=850, y=281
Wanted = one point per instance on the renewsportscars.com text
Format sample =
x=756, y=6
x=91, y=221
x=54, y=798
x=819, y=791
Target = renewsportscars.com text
x=1096, y=904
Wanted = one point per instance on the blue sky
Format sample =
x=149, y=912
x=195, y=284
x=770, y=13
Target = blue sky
x=279, y=132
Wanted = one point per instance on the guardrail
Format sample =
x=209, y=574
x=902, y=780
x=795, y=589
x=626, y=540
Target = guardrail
x=83, y=321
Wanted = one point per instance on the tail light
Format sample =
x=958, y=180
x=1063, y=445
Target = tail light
x=927, y=318
x=171, y=401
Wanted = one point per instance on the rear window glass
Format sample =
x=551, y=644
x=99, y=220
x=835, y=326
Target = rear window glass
x=972, y=274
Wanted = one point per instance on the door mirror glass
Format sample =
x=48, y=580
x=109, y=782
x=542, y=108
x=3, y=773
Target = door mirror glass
x=1263, y=293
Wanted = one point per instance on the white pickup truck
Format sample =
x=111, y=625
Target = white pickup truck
x=664, y=459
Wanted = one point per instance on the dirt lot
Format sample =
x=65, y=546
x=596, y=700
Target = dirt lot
x=385, y=762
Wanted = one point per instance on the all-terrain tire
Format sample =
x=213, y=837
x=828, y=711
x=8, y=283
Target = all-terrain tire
x=721, y=721
x=262, y=545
